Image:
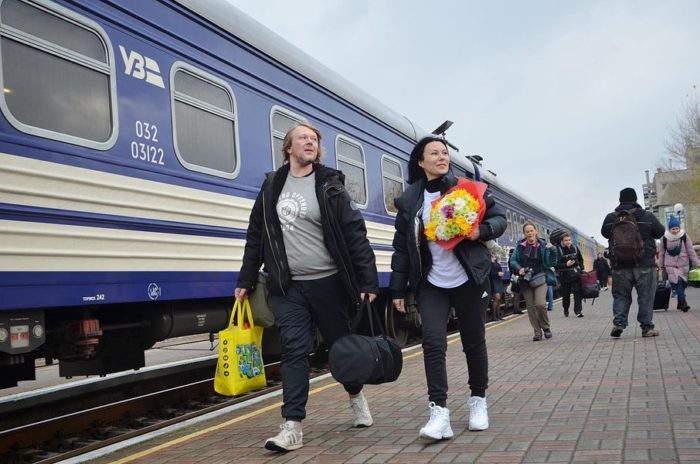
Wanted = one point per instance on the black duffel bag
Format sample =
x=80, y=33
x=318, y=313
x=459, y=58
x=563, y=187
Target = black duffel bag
x=365, y=359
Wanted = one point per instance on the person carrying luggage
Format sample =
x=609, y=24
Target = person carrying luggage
x=312, y=239
x=676, y=258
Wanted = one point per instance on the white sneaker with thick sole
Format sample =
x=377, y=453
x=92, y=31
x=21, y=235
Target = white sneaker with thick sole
x=478, y=413
x=438, y=427
x=360, y=409
x=289, y=438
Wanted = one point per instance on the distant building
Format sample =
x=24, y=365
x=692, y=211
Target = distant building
x=667, y=188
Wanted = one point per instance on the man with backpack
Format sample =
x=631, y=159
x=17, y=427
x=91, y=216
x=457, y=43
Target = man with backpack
x=631, y=231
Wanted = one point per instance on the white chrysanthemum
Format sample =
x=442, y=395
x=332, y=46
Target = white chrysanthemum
x=440, y=232
x=460, y=204
x=472, y=216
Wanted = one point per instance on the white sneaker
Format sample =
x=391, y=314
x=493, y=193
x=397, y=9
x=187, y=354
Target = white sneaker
x=359, y=406
x=438, y=427
x=289, y=438
x=478, y=414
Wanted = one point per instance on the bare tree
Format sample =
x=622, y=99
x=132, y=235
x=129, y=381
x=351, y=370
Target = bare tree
x=683, y=149
x=684, y=142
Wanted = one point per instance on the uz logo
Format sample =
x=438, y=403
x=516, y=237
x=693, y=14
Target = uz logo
x=141, y=67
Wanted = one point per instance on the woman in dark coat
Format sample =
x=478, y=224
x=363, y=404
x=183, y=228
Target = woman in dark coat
x=496, y=288
x=441, y=279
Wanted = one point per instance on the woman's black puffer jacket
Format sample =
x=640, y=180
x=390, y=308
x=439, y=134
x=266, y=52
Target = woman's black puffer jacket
x=412, y=260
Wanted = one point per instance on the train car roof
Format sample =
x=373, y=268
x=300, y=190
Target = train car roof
x=228, y=17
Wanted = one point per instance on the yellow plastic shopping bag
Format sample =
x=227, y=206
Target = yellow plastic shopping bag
x=240, y=368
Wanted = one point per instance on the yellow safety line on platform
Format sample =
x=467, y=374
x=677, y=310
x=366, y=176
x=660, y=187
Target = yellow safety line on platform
x=213, y=428
x=257, y=412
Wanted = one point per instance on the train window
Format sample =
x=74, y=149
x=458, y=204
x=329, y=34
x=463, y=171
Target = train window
x=392, y=182
x=204, y=122
x=350, y=159
x=57, y=74
x=281, y=120
x=458, y=171
x=509, y=224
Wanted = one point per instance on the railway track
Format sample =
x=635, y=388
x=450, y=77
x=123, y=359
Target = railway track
x=67, y=423
x=47, y=430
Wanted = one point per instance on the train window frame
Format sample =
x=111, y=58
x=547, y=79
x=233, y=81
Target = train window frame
x=276, y=134
x=510, y=225
x=107, y=68
x=391, y=177
x=175, y=96
x=459, y=171
x=354, y=163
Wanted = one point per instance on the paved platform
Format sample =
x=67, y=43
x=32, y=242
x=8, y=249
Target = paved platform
x=580, y=397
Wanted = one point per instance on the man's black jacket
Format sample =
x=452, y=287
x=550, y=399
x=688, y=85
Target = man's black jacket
x=344, y=235
x=649, y=228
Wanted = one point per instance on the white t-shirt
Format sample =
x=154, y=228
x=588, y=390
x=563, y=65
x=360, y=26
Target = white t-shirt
x=446, y=272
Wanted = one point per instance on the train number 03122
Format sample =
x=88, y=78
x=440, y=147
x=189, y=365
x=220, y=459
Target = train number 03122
x=145, y=152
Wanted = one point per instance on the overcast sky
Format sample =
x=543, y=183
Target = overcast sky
x=567, y=101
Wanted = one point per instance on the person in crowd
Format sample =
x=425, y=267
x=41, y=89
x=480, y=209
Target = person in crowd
x=550, y=297
x=602, y=270
x=638, y=272
x=440, y=279
x=496, y=288
x=514, y=286
x=533, y=259
x=568, y=267
x=676, y=257
x=312, y=240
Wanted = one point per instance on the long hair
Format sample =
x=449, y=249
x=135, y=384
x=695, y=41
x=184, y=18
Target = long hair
x=530, y=223
x=415, y=172
x=287, y=142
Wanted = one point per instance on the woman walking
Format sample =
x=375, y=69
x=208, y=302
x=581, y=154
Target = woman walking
x=496, y=288
x=441, y=278
x=677, y=254
x=533, y=260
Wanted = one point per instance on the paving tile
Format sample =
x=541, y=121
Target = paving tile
x=581, y=397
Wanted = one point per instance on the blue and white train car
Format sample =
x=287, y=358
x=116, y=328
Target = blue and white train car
x=133, y=139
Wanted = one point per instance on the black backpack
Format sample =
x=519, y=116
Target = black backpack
x=556, y=235
x=626, y=242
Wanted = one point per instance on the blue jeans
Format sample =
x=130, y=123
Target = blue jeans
x=550, y=298
x=679, y=288
x=643, y=279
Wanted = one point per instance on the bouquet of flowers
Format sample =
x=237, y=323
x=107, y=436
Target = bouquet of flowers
x=455, y=215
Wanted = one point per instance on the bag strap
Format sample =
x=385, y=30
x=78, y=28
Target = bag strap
x=234, y=311
x=241, y=312
x=366, y=306
x=248, y=313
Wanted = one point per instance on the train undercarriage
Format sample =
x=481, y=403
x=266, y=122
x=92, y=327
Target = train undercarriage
x=103, y=339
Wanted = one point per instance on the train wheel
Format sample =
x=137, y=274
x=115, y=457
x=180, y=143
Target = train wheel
x=396, y=325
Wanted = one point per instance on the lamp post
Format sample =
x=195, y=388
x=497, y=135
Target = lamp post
x=678, y=209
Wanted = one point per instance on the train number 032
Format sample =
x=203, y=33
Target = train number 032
x=147, y=131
